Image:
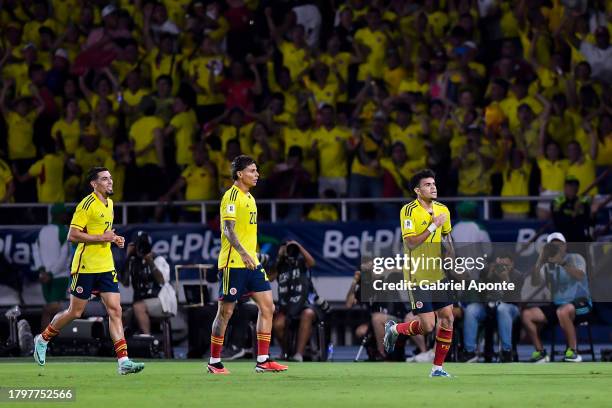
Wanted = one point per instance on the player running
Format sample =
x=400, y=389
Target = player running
x=93, y=269
x=239, y=270
x=425, y=224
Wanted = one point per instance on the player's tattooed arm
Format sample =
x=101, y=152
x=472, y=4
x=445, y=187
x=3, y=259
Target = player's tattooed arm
x=228, y=230
x=449, y=245
x=449, y=252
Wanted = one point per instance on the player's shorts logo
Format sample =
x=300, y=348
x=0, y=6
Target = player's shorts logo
x=79, y=289
x=419, y=304
x=233, y=291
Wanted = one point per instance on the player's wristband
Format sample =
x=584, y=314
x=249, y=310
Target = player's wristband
x=432, y=228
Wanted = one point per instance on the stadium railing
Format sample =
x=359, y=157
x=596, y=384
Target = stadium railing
x=273, y=204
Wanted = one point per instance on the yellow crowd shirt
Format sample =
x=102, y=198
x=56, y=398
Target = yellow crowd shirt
x=552, y=173
x=142, y=134
x=331, y=144
x=516, y=183
x=201, y=183
x=70, y=133
x=374, y=64
x=184, y=125
x=585, y=173
x=49, y=173
x=20, y=134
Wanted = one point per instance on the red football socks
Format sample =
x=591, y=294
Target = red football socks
x=263, y=344
x=49, y=333
x=444, y=338
x=216, y=344
x=121, y=348
x=412, y=328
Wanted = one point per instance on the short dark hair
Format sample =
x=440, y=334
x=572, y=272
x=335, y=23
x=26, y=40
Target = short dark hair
x=572, y=181
x=295, y=151
x=240, y=163
x=505, y=255
x=92, y=174
x=164, y=77
x=415, y=181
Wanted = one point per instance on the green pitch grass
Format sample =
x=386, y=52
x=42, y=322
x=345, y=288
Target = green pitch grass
x=316, y=385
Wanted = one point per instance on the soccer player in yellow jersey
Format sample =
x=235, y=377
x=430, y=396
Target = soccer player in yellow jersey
x=93, y=270
x=425, y=224
x=240, y=272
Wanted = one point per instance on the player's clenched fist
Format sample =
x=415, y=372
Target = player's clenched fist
x=439, y=220
x=109, y=236
x=119, y=241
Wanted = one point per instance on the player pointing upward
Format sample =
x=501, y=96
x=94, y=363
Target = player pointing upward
x=93, y=269
x=425, y=223
x=240, y=272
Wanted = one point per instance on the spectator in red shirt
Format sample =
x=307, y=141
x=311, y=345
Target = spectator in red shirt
x=238, y=89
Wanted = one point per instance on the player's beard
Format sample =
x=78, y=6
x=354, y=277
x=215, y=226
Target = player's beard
x=110, y=192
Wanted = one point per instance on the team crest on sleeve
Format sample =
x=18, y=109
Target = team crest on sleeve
x=408, y=224
x=231, y=209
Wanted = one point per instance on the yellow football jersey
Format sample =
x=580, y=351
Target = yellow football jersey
x=94, y=218
x=414, y=220
x=241, y=208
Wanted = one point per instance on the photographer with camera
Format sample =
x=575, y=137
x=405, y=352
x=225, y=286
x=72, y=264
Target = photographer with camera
x=297, y=297
x=149, y=274
x=492, y=305
x=372, y=332
x=565, y=275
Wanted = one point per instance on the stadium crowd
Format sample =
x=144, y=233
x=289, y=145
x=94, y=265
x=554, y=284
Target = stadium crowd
x=339, y=98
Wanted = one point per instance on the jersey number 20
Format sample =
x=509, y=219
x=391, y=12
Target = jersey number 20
x=253, y=218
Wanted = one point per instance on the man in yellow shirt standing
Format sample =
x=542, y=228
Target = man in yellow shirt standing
x=295, y=53
x=332, y=144
x=582, y=166
x=552, y=171
x=516, y=183
x=183, y=125
x=366, y=171
x=20, y=126
x=373, y=42
x=199, y=181
x=146, y=137
x=49, y=175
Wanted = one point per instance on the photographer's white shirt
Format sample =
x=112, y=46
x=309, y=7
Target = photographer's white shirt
x=167, y=294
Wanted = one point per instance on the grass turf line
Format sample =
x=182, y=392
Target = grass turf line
x=317, y=385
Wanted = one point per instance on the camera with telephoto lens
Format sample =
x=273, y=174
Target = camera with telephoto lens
x=550, y=250
x=143, y=243
x=292, y=254
x=499, y=268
